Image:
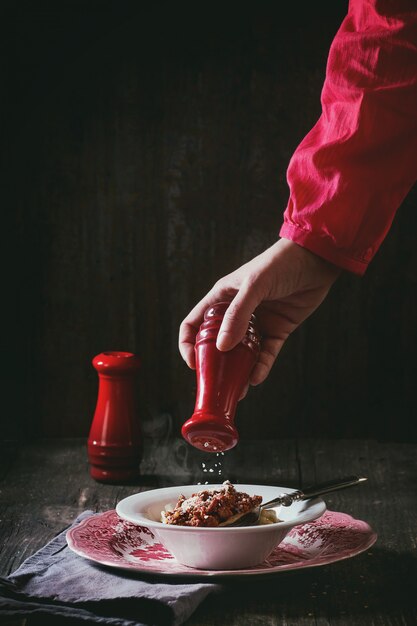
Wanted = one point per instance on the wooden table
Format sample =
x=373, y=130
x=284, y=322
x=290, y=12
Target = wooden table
x=45, y=484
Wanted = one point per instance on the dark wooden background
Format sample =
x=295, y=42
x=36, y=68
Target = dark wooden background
x=144, y=156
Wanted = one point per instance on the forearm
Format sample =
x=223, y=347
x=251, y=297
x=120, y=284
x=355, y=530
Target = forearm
x=352, y=171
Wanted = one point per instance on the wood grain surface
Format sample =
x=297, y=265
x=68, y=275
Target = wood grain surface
x=145, y=153
x=48, y=485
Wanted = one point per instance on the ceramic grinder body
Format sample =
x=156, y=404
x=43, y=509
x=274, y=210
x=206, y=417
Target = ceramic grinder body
x=221, y=378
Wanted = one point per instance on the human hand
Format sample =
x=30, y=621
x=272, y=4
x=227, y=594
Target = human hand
x=283, y=286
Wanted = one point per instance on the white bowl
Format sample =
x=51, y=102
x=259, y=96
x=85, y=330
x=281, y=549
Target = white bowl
x=217, y=548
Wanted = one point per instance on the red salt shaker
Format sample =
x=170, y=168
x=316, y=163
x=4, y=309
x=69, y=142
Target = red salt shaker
x=221, y=378
x=114, y=443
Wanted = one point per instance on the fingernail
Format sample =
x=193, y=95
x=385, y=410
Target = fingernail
x=223, y=341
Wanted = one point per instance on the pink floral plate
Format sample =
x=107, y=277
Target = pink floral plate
x=107, y=539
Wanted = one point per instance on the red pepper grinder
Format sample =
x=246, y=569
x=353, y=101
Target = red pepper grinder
x=221, y=378
x=114, y=443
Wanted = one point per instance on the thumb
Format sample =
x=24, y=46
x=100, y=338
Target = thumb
x=236, y=319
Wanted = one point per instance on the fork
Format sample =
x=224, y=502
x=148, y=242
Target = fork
x=287, y=499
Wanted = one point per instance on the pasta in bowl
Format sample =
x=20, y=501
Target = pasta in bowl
x=216, y=545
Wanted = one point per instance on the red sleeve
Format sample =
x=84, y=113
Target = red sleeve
x=351, y=172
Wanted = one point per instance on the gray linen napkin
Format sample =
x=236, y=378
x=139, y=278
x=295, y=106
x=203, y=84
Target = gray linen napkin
x=56, y=581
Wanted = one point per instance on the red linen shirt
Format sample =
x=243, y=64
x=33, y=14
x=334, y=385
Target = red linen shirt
x=351, y=172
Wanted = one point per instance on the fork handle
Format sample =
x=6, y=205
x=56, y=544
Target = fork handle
x=327, y=487
x=315, y=490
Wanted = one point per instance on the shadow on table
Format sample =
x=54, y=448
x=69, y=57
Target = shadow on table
x=378, y=580
x=353, y=591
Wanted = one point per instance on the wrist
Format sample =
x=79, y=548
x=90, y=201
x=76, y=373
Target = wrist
x=310, y=259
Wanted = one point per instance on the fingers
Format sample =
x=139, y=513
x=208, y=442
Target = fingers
x=267, y=357
x=244, y=297
x=236, y=319
x=244, y=392
x=269, y=352
x=186, y=342
x=191, y=324
x=187, y=334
